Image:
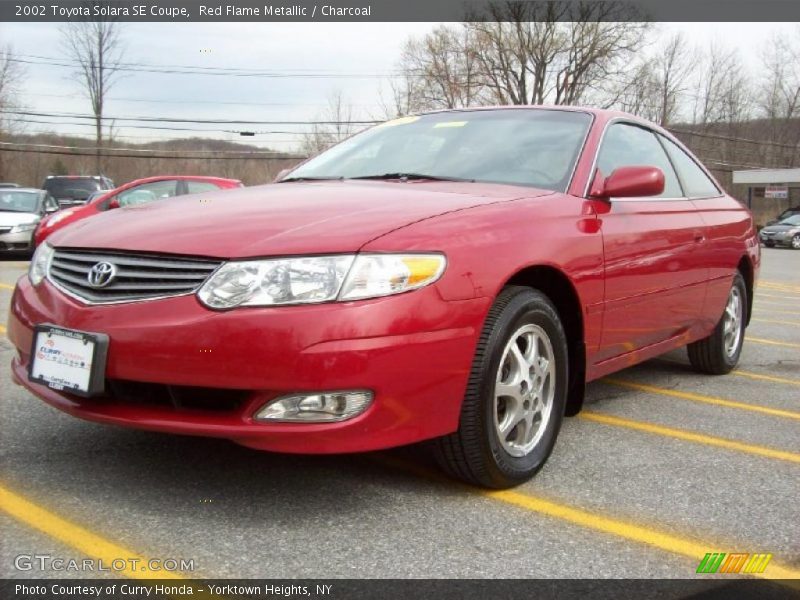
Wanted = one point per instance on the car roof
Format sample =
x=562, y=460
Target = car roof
x=24, y=189
x=601, y=114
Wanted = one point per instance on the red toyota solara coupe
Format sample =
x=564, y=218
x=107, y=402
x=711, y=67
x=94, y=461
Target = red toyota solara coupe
x=455, y=277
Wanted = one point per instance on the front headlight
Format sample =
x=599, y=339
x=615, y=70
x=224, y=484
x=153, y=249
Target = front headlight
x=23, y=227
x=40, y=263
x=315, y=279
x=279, y=281
x=374, y=275
x=59, y=216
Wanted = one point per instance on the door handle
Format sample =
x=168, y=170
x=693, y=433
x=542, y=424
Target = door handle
x=699, y=237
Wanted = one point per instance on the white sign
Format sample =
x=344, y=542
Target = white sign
x=776, y=192
x=62, y=360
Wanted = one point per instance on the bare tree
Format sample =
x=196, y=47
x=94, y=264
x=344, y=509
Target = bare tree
x=96, y=47
x=522, y=53
x=321, y=137
x=12, y=74
x=723, y=88
x=781, y=80
x=674, y=66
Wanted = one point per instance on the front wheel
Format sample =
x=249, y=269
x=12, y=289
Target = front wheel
x=515, y=396
x=719, y=353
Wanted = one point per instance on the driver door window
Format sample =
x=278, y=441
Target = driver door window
x=629, y=146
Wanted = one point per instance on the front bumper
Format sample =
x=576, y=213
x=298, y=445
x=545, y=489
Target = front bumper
x=414, y=351
x=777, y=238
x=16, y=242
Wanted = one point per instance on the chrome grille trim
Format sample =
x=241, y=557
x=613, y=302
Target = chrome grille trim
x=138, y=276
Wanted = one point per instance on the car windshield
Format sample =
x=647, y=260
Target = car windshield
x=68, y=187
x=14, y=201
x=532, y=147
x=795, y=220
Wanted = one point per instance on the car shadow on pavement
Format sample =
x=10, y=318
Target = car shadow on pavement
x=179, y=475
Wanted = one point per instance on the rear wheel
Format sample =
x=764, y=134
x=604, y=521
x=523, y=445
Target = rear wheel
x=515, y=397
x=796, y=241
x=719, y=353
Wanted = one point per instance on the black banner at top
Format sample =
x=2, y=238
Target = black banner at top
x=181, y=11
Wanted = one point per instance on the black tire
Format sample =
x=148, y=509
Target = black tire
x=769, y=244
x=475, y=453
x=710, y=355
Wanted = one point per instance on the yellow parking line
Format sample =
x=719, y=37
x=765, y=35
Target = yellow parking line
x=653, y=389
x=87, y=543
x=759, y=310
x=760, y=295
x=782, y=304
x=765, y=377
x=772, y=342
x=626, y=530
x=779, y=285
x=6, y=286
x=2, y=329
x=690, y=436
x=793, y=323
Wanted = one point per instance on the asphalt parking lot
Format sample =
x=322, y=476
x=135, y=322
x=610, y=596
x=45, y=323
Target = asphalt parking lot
x=663, y=466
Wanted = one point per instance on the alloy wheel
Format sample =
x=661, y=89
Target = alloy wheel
x=733, y=322
x=524, y=390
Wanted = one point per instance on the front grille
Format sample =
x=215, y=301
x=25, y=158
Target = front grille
x=137, y=277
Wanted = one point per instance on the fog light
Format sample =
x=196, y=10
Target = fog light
x=321, y=407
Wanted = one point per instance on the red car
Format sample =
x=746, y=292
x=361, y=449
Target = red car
x=135, y=192
x=456, y=276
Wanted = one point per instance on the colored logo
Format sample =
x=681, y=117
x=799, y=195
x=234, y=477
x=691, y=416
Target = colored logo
x=720, y=562
x=101, y=274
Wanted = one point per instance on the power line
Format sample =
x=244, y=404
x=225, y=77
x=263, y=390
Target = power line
x=167, y=157
x=717, y=136
x=177, y=120
x=139, y=150
x=189, y=101
x=201, y=71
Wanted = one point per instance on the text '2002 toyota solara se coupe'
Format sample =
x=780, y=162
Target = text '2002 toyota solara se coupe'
x=455, y=277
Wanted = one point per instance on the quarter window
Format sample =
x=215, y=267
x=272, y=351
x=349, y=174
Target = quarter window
x=627, y=145
x=695, y=181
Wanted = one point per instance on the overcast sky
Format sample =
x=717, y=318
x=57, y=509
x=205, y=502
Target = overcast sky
x=370, y=49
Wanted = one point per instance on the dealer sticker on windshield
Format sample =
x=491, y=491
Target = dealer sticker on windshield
x=69, y=361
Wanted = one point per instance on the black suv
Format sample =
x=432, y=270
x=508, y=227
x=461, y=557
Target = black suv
x=71, y=190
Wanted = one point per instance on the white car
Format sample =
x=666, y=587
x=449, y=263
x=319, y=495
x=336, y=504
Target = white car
x=21, y=209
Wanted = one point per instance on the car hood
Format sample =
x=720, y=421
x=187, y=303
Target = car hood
x=779, y=228
x=8, y=217
x=284, y=218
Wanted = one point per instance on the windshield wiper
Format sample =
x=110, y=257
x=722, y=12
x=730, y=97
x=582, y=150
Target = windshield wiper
x=407, y=176
x=290, y=179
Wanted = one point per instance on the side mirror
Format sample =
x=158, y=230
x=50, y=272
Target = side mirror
x=114, y=203
x=629, y=182
x=51, y=209
x=281, y=174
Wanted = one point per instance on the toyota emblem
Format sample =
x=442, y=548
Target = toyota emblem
x=101, y=274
